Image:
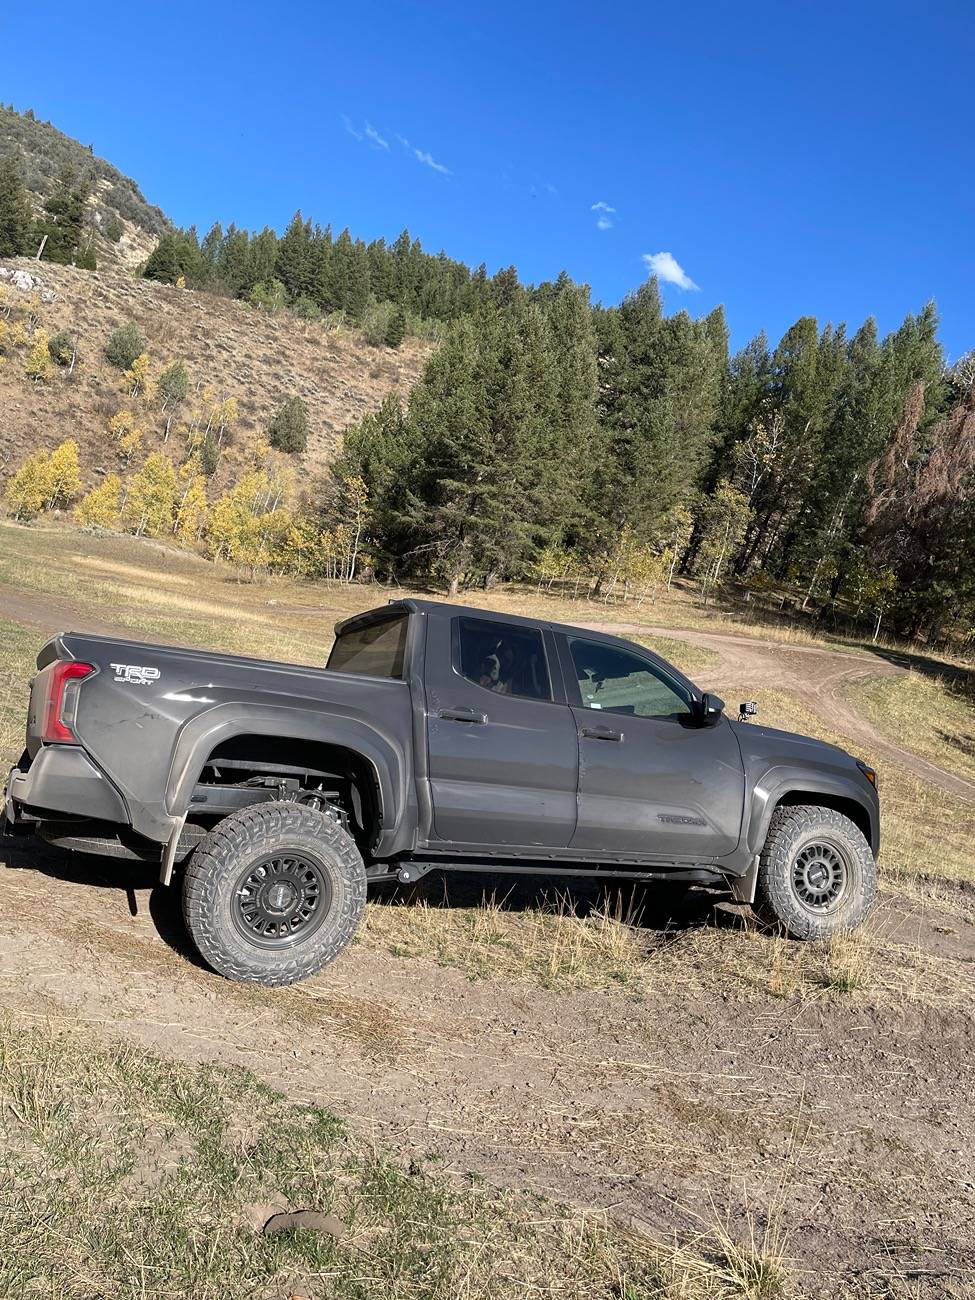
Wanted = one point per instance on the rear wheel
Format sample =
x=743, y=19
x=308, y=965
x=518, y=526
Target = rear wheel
x=817, y=876
x=274, y=893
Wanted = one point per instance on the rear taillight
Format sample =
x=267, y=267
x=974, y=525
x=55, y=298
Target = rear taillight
x=61, y=706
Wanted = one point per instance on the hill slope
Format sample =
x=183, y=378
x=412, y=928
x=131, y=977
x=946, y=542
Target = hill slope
x=45, y=154
x=230, y=350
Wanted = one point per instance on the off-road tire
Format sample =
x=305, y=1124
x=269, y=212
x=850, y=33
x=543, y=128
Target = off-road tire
x=240, y=844
x=804, y=839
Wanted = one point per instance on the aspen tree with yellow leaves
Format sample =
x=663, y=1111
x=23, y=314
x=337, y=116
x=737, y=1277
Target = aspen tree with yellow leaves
x=100, y=507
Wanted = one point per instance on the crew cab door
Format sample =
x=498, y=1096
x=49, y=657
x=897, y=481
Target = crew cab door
x=502, y=748
x=652, y=780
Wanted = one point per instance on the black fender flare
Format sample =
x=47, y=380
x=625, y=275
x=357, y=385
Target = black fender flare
x=390, y=765
x=784, y=780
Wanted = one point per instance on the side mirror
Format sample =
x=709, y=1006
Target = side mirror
x=712, y=707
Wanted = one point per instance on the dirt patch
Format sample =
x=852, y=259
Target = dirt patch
x=854, y=1114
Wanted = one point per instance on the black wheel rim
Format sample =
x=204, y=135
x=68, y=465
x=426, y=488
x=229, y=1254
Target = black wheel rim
x=280, y=900
x=820, y=877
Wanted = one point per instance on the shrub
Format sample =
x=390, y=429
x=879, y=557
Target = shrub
x=173, y=384
x=305, y=308
x=62, y=348
x=39, y=358
x=125, y=344
x=268, y=296
x=376, y=321
x=288, y=429
x=113, y=228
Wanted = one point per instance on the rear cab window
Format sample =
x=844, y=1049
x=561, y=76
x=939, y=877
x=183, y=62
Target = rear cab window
x=373, y=649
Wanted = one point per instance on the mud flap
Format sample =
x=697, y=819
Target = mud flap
x=169, y=856
x=743, y=886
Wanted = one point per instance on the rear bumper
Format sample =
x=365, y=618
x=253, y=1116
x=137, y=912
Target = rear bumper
x=62, y=780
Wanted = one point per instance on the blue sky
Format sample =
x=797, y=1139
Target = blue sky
x=791, y=158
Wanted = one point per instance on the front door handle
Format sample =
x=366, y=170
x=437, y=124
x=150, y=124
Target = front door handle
x=601, y=733
x=462, y=715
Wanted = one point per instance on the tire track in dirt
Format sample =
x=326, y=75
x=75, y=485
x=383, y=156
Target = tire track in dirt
x=819, y=677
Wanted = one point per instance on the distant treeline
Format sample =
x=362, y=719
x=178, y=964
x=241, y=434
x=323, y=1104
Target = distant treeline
x=559, y=441
x=316, y=273
x=552, y=441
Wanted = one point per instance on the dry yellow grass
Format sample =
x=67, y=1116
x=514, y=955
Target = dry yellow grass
x=928, y=712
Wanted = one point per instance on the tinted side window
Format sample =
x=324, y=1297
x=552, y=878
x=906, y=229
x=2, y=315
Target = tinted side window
x=376, y=650
x=619, y=682
x=503, y=658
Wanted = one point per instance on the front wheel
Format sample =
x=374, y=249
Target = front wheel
x=816, y=876
x=274, y=893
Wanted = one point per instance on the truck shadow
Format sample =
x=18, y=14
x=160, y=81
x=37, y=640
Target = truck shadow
x=649, y=907
x=138, y=882
x=645, y=906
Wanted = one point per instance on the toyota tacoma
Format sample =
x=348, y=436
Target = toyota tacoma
x=436, y=738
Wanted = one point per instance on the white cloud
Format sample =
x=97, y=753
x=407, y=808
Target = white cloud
x=423, y=156
x=429, y=161
x=356, y=135
x=667, y=268
x=373, y=135
x=606, y=213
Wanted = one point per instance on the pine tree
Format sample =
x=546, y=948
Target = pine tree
x=165, y=262
x=63, y=220
x=567, y=465
x=293, y=258
x=661, y=387
x=396, y=329
x=125, y=343
x=15, y=212
x=288, y=428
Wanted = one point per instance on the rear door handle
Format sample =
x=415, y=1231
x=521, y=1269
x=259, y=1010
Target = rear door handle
x=601, y=733
x=462, y=715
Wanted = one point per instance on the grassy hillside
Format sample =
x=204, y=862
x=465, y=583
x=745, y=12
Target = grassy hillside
x=230, y=350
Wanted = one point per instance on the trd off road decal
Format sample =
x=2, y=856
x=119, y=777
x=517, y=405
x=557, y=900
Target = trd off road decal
x=135, y=675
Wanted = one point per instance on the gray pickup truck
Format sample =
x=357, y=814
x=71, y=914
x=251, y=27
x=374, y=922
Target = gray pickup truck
x=437, y=738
